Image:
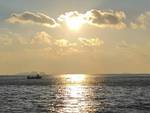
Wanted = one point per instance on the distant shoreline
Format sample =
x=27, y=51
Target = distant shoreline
x=55, y=75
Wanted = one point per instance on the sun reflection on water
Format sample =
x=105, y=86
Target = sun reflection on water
x=75, y=91
x=75, y=78
x=74, y=99
x=74, y=94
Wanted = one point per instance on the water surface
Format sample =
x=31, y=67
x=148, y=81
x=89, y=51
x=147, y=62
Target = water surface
x=95, y=95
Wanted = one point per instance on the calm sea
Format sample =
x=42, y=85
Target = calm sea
x=92, y=94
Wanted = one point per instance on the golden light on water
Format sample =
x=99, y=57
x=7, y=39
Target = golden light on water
x=75, y=91
x=74, y=99
x=75, y=78
x=74, y=94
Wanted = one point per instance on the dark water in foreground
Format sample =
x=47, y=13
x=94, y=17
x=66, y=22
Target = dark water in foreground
x=94, y=95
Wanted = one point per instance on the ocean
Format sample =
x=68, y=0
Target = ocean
x=92, y=94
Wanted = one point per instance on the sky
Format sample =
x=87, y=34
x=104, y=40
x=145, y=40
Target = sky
x=74, y=36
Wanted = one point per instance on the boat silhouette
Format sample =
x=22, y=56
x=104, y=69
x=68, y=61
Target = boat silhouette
x=34, y=77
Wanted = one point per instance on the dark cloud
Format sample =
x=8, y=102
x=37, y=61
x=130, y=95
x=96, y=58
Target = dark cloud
x=34, y=18
x=107, y=18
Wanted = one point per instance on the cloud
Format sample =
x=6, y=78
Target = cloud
x=107, y=18
x=71, y=15
x=32, y=18
x=122, y=44
x=8, y=38
x=94, y=17
x=64, y=43
x=68, y=15
x=12, y=43
x=41, y=39
x=128, y=46
x=102, y=19
x=91, y=42
x=143, y=21
x=5, y=41
x=42, y=42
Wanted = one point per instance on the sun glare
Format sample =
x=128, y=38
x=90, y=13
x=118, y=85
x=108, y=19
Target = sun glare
x=75, y=78
x=74, y=23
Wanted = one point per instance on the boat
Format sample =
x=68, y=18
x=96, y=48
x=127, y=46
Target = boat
x=34, y=77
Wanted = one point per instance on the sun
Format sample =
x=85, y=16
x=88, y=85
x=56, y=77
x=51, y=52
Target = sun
x=74, y=23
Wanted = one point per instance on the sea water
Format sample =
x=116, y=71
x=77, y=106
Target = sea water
x=100, y=94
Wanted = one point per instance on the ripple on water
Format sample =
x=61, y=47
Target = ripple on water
x=74, y=99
